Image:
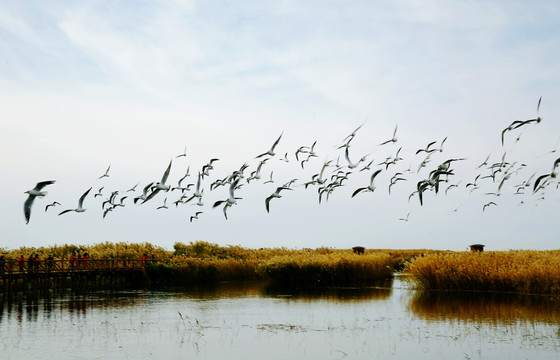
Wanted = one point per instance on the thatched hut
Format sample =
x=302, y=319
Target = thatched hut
x=358, y=250
x=477, y=247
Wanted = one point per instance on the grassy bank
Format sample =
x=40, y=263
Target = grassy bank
x=535, y=272
x=328, y=269
x=531, y=272
x=203, y=262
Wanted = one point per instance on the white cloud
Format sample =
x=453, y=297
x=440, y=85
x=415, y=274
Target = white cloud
x=102, y=83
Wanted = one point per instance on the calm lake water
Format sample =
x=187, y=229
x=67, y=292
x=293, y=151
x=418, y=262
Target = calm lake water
x=249, y=320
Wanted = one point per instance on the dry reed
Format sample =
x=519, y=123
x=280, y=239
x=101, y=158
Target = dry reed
x=524, y=271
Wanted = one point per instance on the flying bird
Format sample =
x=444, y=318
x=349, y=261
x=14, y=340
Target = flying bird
x=99, y=192
x=232, y=200
x=80, y=208
x=519, y=123
x=160, y=185
x=370, y=187
x=393, y=139
x=164, y=206
x=144, y=193
x=184, y=154
x=271, y=151
x=132, y=189
x=106, y=173
x=195, y=216
x=276, y=194
x=488, y=204
x=33, y=193
x=552, y=175
x=197, y=192
x=352, y=165
x=405, y=218
x=206, y=168
x=52, y=204
x=427, y=148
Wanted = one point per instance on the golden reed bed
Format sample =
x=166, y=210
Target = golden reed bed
x=523, y=271
x=533, y=272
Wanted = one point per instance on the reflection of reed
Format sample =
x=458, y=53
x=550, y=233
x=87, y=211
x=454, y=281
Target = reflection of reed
x=244, y=289
x=28, y=305
x=493, y=308
x=381, y=292
x=77, y=303
x=213, y=290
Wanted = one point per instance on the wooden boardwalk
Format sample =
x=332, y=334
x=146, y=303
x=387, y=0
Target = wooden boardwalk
x=14, y=268
x=52, y=273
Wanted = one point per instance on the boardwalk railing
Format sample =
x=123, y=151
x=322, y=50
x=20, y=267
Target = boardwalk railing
x=9, y=267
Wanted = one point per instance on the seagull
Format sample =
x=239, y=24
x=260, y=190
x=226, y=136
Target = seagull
x=160, y=185
x=107, y=211
x=144, y=193
x=53, y=204
x=394, y=180
x=183, y=178
x=393, y=139
x=311, y=153
x=271, y=151
x=232, y=200
x=441, y=145
x=80, y=207
x=195, y=216
x=132, y=189
x=276, y=194
x=256, y=175
x=33, y=193
x=370, y=187
x=270, y=180
x=350, y=164
x=121, y=202
x=164, y=206
x=350, y=137
x=111, y=200
x=106, y=173
x=432, y=182
x=488, y=204
x=303, y=150
x=184, y=154
x=206, y=168
x=318, y=178
x=552, y=175
x=484, y=163
x=197, y=192
x=518, y=123
x=451, y=187
x=427, y=148
x=99, y=192
x=405, y=218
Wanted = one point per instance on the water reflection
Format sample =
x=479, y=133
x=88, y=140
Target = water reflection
x=480, y=307
x=30, y=305
x=254, y=319
x=381, y=291
x=78, y=303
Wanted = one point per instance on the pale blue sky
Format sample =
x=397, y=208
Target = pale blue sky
x=130, y=84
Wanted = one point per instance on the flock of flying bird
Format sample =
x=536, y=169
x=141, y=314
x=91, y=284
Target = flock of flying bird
x=331, y=174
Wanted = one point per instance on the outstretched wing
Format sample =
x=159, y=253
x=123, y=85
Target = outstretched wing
x=82, y=198
x=166, y=173
x=42, y=184
x=27, y=208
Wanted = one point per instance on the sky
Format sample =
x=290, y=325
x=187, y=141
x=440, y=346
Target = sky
x=133, y=85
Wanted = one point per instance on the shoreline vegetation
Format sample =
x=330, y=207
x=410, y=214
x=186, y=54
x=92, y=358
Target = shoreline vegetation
x=517, y=271
x=514, y=271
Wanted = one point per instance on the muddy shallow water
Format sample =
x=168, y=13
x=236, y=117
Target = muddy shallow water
x=250, y=320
